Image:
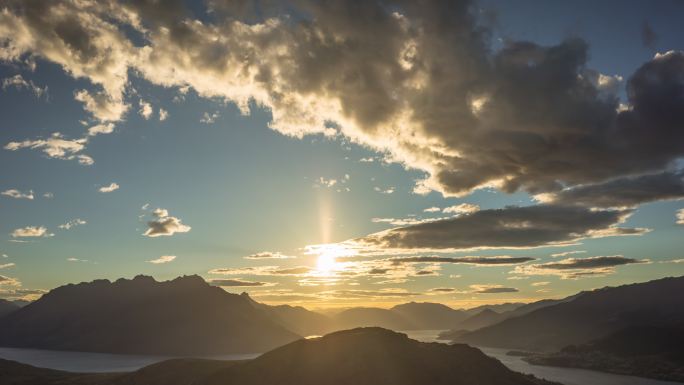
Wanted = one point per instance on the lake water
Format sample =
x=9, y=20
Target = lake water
x=566, y=376
x=102, y=363
x=83, y=362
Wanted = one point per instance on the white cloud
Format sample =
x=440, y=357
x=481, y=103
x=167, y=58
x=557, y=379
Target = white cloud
x=72, y=223
x=164, y=224
x=163, y=259
x=163, y=114
x=463, y=208
x=6, y=265
x=269, y=255
x=680, y=217
x=102, y=128
x=433, y=209
x=146, y=110
x=107, y=189
x=31, y=232
x=388, y=190
x=72, y=259
x=101, y=105
x=48, y=195
x=56, y=146
x=16, y=194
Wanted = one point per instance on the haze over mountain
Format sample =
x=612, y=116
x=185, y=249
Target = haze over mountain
x=590, y=315
x=178, y=317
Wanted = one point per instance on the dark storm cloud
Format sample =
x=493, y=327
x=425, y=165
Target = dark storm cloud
x=414, y=79
x=625, y=192
x=496, y=260
x=510, y=227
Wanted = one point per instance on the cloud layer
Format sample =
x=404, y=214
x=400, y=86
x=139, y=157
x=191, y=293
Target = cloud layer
x=416, y=80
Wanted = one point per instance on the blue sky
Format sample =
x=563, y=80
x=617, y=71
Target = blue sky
x=244, y=187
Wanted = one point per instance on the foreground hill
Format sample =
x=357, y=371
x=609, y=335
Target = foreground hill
x=589, y=316
x=370, y=356
x=185, y=316
x=7, y=307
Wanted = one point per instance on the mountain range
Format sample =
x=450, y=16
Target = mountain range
x=587, y=316
x=185, y=316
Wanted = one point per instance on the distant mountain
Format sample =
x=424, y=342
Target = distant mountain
x=427, y=315
x=7, y=307
x=371, y=316
x=482, y=319
x=530, y=307
x=370, y=356
x=499, y=308
x=646, y=351
x=591, y=315
x=185, y=316
x=296, y=318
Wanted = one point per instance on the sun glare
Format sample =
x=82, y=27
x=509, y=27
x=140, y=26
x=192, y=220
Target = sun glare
x=328, y=254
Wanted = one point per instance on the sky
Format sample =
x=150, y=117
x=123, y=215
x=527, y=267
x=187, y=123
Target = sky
x=335, y=154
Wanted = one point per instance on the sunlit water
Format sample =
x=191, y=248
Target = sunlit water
x=566, y=376
x=102, y=363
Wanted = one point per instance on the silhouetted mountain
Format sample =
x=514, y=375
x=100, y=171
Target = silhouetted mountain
x=482, y=319
x=426, y=315
x=590, y=316
x=7, y=307
x=178, y=317
x=372, y=316
x=499, y=308
x=370, y=356
x=530, y=307
x=646, y=351
x=296, y=318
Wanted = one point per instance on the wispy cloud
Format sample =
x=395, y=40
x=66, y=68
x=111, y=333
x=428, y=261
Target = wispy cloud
x=72, y=223
x=239, y=283
x=16, y=194
x=56, y=146
x=163, y=259
x=18, y=82
x=269, y=255
x=574, y=268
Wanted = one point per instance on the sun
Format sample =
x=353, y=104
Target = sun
x=327, y=262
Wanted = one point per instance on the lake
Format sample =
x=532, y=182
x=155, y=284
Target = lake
x=102, y=363
x=83, y=362
x=566, y=376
